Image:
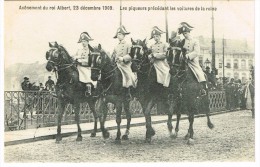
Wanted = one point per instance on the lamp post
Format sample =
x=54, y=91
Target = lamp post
x=207, y=63
x=213, y=65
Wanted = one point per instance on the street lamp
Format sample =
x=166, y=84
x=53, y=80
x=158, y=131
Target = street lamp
x=207, y=63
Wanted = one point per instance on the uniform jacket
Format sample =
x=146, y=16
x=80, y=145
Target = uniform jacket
x=123, y=50
x=83, y=54
x=162, y=68
x=192, y=47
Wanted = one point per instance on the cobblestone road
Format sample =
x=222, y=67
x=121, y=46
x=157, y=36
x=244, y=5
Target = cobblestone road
x=232, y=139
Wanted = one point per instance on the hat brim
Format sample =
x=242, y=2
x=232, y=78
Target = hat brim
x=85, y=40
x=122, y=33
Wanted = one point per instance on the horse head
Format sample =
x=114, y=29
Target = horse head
x=174, y=55
x=139, y=54
x=98, y=61
x=57, y=57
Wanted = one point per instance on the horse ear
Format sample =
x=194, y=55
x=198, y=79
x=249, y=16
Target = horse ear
x=132, y=41
x=144, y=41
x=99, y=47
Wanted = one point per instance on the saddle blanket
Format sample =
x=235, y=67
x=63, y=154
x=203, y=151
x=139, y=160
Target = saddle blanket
x=162, y=72
x=85, y=75
x=197, y=70
x=129, y=78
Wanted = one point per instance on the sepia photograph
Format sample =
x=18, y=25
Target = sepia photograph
x=122, y=81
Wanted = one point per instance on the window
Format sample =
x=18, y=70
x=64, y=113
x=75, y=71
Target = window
x=228, y=64
x=220, y=65
x=235, y=64
x=236, y=76
x=243, y=64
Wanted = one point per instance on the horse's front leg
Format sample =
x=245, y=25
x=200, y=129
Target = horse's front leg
x=61, y=106
x=77, y=119
x=147, y=113
x=189, y=135
x=118, y=121
x=94, y=132
x=128, y=118
x=101, y=113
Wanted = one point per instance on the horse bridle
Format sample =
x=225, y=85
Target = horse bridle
x=140, y=63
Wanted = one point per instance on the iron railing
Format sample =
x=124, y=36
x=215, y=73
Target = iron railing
x=32, y=109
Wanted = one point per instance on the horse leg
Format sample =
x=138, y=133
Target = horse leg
x=77, y=119
x=149, y=130
x=101, y=110
x=61, y=106
x=93, y=133
x=175, y=135
x=118, y=121
x=189, y=136
x=128, y=118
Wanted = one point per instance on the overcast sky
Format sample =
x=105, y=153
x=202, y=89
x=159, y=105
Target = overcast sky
x=28, y=32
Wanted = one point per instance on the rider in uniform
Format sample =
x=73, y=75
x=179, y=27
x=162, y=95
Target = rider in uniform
x=192, y=48
x=82, y=57
x=122, y=58
x=158, y=57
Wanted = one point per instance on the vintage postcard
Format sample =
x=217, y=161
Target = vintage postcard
x=122, y=81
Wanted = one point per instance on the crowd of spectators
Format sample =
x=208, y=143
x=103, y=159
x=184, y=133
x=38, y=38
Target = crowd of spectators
x=28, y=86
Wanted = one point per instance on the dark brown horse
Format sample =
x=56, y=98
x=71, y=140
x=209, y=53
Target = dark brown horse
x=104, y=70
x=70, y=90
x=148, y=91
x=191, y=100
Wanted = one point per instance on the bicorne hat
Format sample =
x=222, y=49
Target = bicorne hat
x=156, y=31
x=121, y=30
x=53, y=44
x=84, y=37
x=184, y=27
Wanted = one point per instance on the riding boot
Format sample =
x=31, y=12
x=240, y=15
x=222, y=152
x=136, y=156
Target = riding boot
x=203, y=88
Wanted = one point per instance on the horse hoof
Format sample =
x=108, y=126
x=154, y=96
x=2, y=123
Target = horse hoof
x=148, y=140
x=79, y=138
x=58, y=139
x=106, y=135
x=210, y=125
x=187, y=136
x=190, y=141
x=93, y=134
x=118, y=141
x=125, y=137
x=174, y=136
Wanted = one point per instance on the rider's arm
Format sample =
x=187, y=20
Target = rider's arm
x=196, y=50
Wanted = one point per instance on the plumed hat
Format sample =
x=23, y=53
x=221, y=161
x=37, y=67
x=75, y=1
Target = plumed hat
x=156, y=31
x=121, y=30
x=184, y=27
x=84, y=37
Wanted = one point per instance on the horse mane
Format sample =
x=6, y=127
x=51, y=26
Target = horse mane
x=63, y=49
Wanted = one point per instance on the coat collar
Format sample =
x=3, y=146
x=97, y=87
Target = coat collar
x=122, y=42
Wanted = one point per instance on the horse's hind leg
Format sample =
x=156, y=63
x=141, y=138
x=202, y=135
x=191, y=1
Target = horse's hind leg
x=77, y=119
x=61, y=106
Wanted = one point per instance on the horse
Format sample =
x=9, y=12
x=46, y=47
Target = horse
x=192, y=101
x=70, y=90
x=149, y=92
x=104, y=70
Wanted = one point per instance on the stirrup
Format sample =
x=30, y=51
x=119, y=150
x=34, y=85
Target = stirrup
x=203, y=92
x=88, y=91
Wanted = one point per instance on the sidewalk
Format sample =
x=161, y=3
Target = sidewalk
x=46, y=133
